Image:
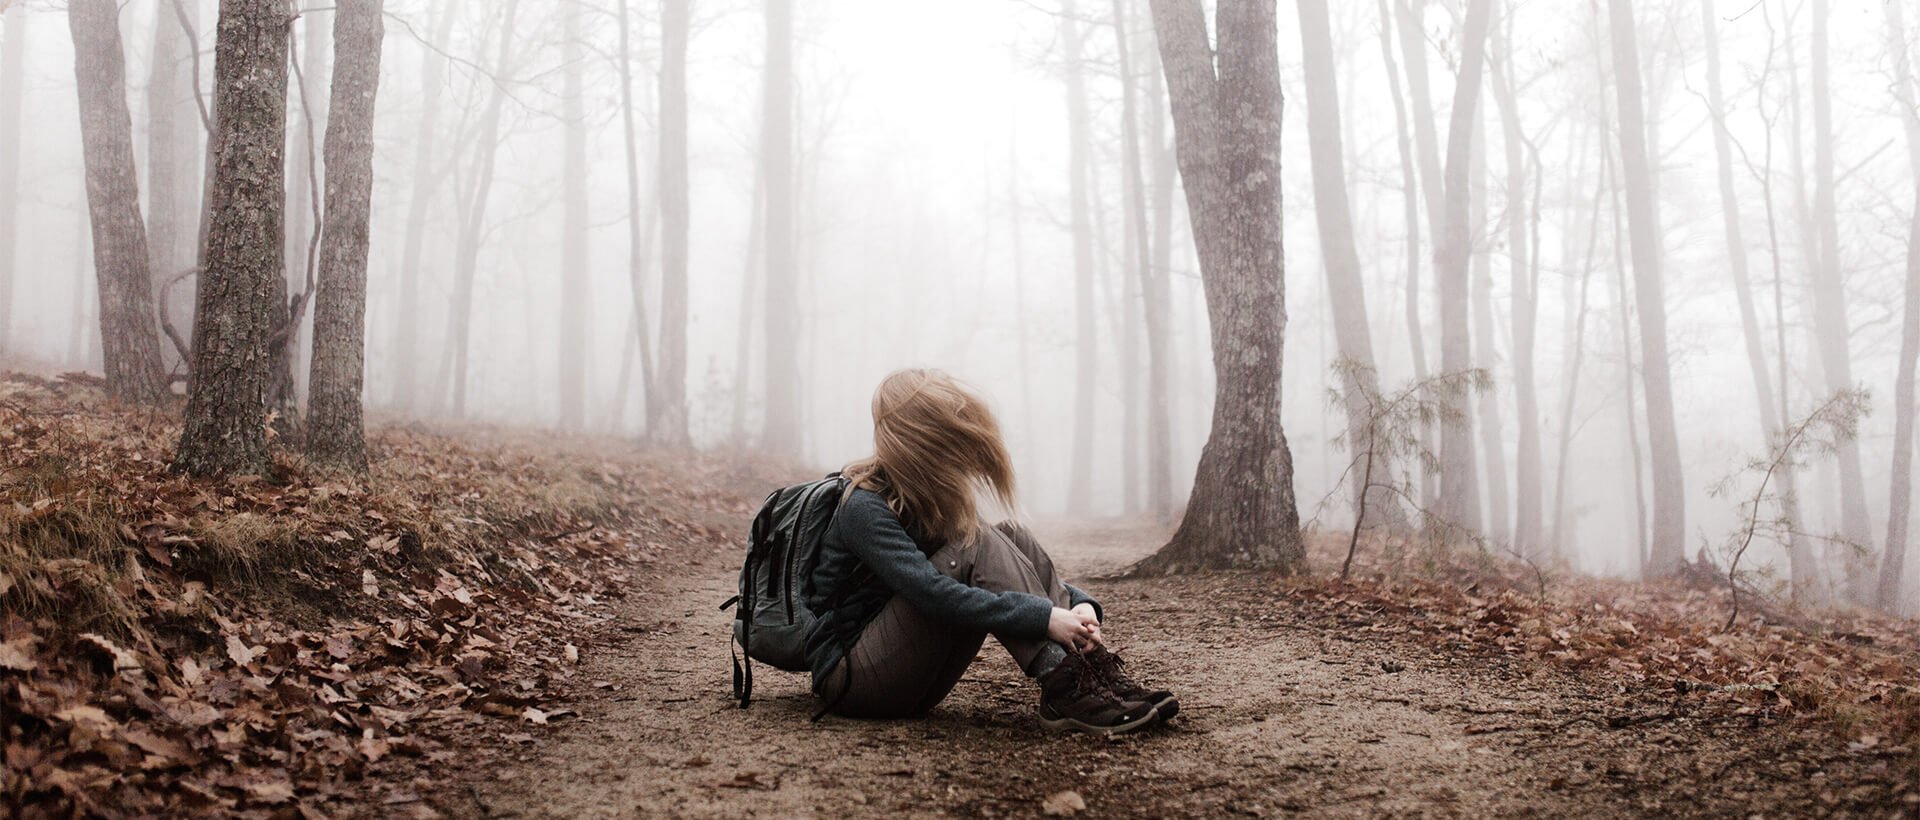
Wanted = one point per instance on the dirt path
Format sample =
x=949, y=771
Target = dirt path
x=1286, y=710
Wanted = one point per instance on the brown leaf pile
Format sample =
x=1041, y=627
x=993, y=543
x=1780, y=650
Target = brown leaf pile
x=257, y=646
x=1859, y=671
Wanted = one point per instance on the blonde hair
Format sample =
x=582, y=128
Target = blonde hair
x=935, y=443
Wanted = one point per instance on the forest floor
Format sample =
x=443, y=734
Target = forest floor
x=509, y=624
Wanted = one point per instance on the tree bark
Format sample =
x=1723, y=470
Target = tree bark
x=238, y=310
x=1227, y=140
x=427, y=173
x=670, y=423
x=781, y=431
x=1459, y=484
x=1346, y=287
x=1522, y=275
x=130, y=342
x=574, y=271
x=1643, y=228
x=13, y=48
x=1079, y=146
x=335, y=430
x=1893, y=561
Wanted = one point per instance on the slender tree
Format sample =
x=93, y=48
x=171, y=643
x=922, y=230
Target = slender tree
x=669, y=425
x=781, y=431
x=1410, y=216
x=174, y=149
x=1226, y=112
x=335, y=431
x=1643, y=232
x=238, y=311
x=428, y=171
x=638, y=239
x=1893, y=562
x=1459, y=485
x=1153, y=283
x=130, y=342
x=1523, y=279
x=13, y=51
x=574, y=271
x=1080, y=209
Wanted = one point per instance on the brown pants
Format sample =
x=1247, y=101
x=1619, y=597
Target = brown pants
x=905, y=663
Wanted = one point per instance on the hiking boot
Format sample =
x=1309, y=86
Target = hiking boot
x=1074, y=696
x=1113, y=672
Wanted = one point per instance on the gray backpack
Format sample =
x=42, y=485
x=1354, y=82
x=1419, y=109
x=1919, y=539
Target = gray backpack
x=772, y=620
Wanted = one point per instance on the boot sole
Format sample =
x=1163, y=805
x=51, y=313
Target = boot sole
x=1151, y=717
x=1167, y=708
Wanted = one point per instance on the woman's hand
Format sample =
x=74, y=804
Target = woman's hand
x=1076, y=628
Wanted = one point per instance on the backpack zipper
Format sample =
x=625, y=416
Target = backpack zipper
x=800, y=528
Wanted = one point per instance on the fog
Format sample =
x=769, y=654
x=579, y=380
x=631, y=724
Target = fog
x=933, y=226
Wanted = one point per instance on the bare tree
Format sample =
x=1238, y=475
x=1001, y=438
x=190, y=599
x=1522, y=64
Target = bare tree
x=1524, y=278
x=335, y=432
x=129, y=341
x=428, y=170
x=1643, y=229
x=1893, y=563
x=238, y=309
x=1153, y=282
x=574, y=296
x=13, y=49
x=1080, y=210
x=174, y=150
x=1410, y=216
x=669, y=425
x=781, y=432
x=1226, y=112
x=638, y=240
x=1459, y=485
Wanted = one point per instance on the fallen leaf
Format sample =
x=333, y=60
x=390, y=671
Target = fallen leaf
x=122, y=659
x=17, y=654
x=1063, y=803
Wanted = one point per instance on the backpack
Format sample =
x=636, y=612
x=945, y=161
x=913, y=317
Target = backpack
x=772, y=620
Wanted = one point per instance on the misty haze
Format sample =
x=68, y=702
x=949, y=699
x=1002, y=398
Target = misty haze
x=1485, y=407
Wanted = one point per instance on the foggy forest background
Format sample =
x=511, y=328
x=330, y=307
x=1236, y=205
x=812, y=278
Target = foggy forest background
x=959, y=185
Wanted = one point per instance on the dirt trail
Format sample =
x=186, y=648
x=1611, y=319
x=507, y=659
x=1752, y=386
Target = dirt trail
x=1284, y=711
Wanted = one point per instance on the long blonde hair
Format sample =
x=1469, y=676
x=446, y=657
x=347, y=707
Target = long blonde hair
x=935, y=443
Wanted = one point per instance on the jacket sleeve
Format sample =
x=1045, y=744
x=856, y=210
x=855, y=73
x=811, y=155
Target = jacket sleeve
x=867, y=528
x=1078, y=596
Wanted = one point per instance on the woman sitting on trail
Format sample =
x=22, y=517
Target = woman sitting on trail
x=910, y=580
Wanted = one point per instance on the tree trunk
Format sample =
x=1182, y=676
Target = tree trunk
x=173, y=164
x=1893, y=562
x=1346, y=287
x=1459, y=484
x=638, y=240
x=1079, y=147
x=1410, y=215
x=472, y=229
x=129, y=342
x=238, y=311
x=781, y=432
x=1561, y=538
x=1486, y=353
x=13, y=49
x=574, y=263
x=670, y=423
x=1159, y=299
x=335, y=432
x=1643, y=228
x=1227, y=139
x=1153, y=285
x=305, y=175
x=427, y=173
x=1526, y=395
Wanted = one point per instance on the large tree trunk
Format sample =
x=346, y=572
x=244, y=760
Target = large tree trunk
x=1522, y=275
x=174, y=150
x=129, y=342
x=1079, y=147
x=669, y=425
x=1153, y=284
x=13, y=48
x=1227, y=138
x=335, y=433
x=573, y=350
x=1346, y=288
x=238, y=309
x=781, y=432
x=1459, y=484
x=428, y=169
x=1893, y=562
x=1830, y=319
x=1643, y=228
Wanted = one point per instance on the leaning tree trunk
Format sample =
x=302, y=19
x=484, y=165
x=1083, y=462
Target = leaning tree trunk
x=226, y=419
x=1079, y=146
x=669, y=424
x=574, y=263
x=1893, y=562
x=13, y=47
x=335, y=433
x=1643, y=234
x=130, y=344
x=1226, y=113
x=781, y=428
x=1346, y=287
x=1459, y=483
